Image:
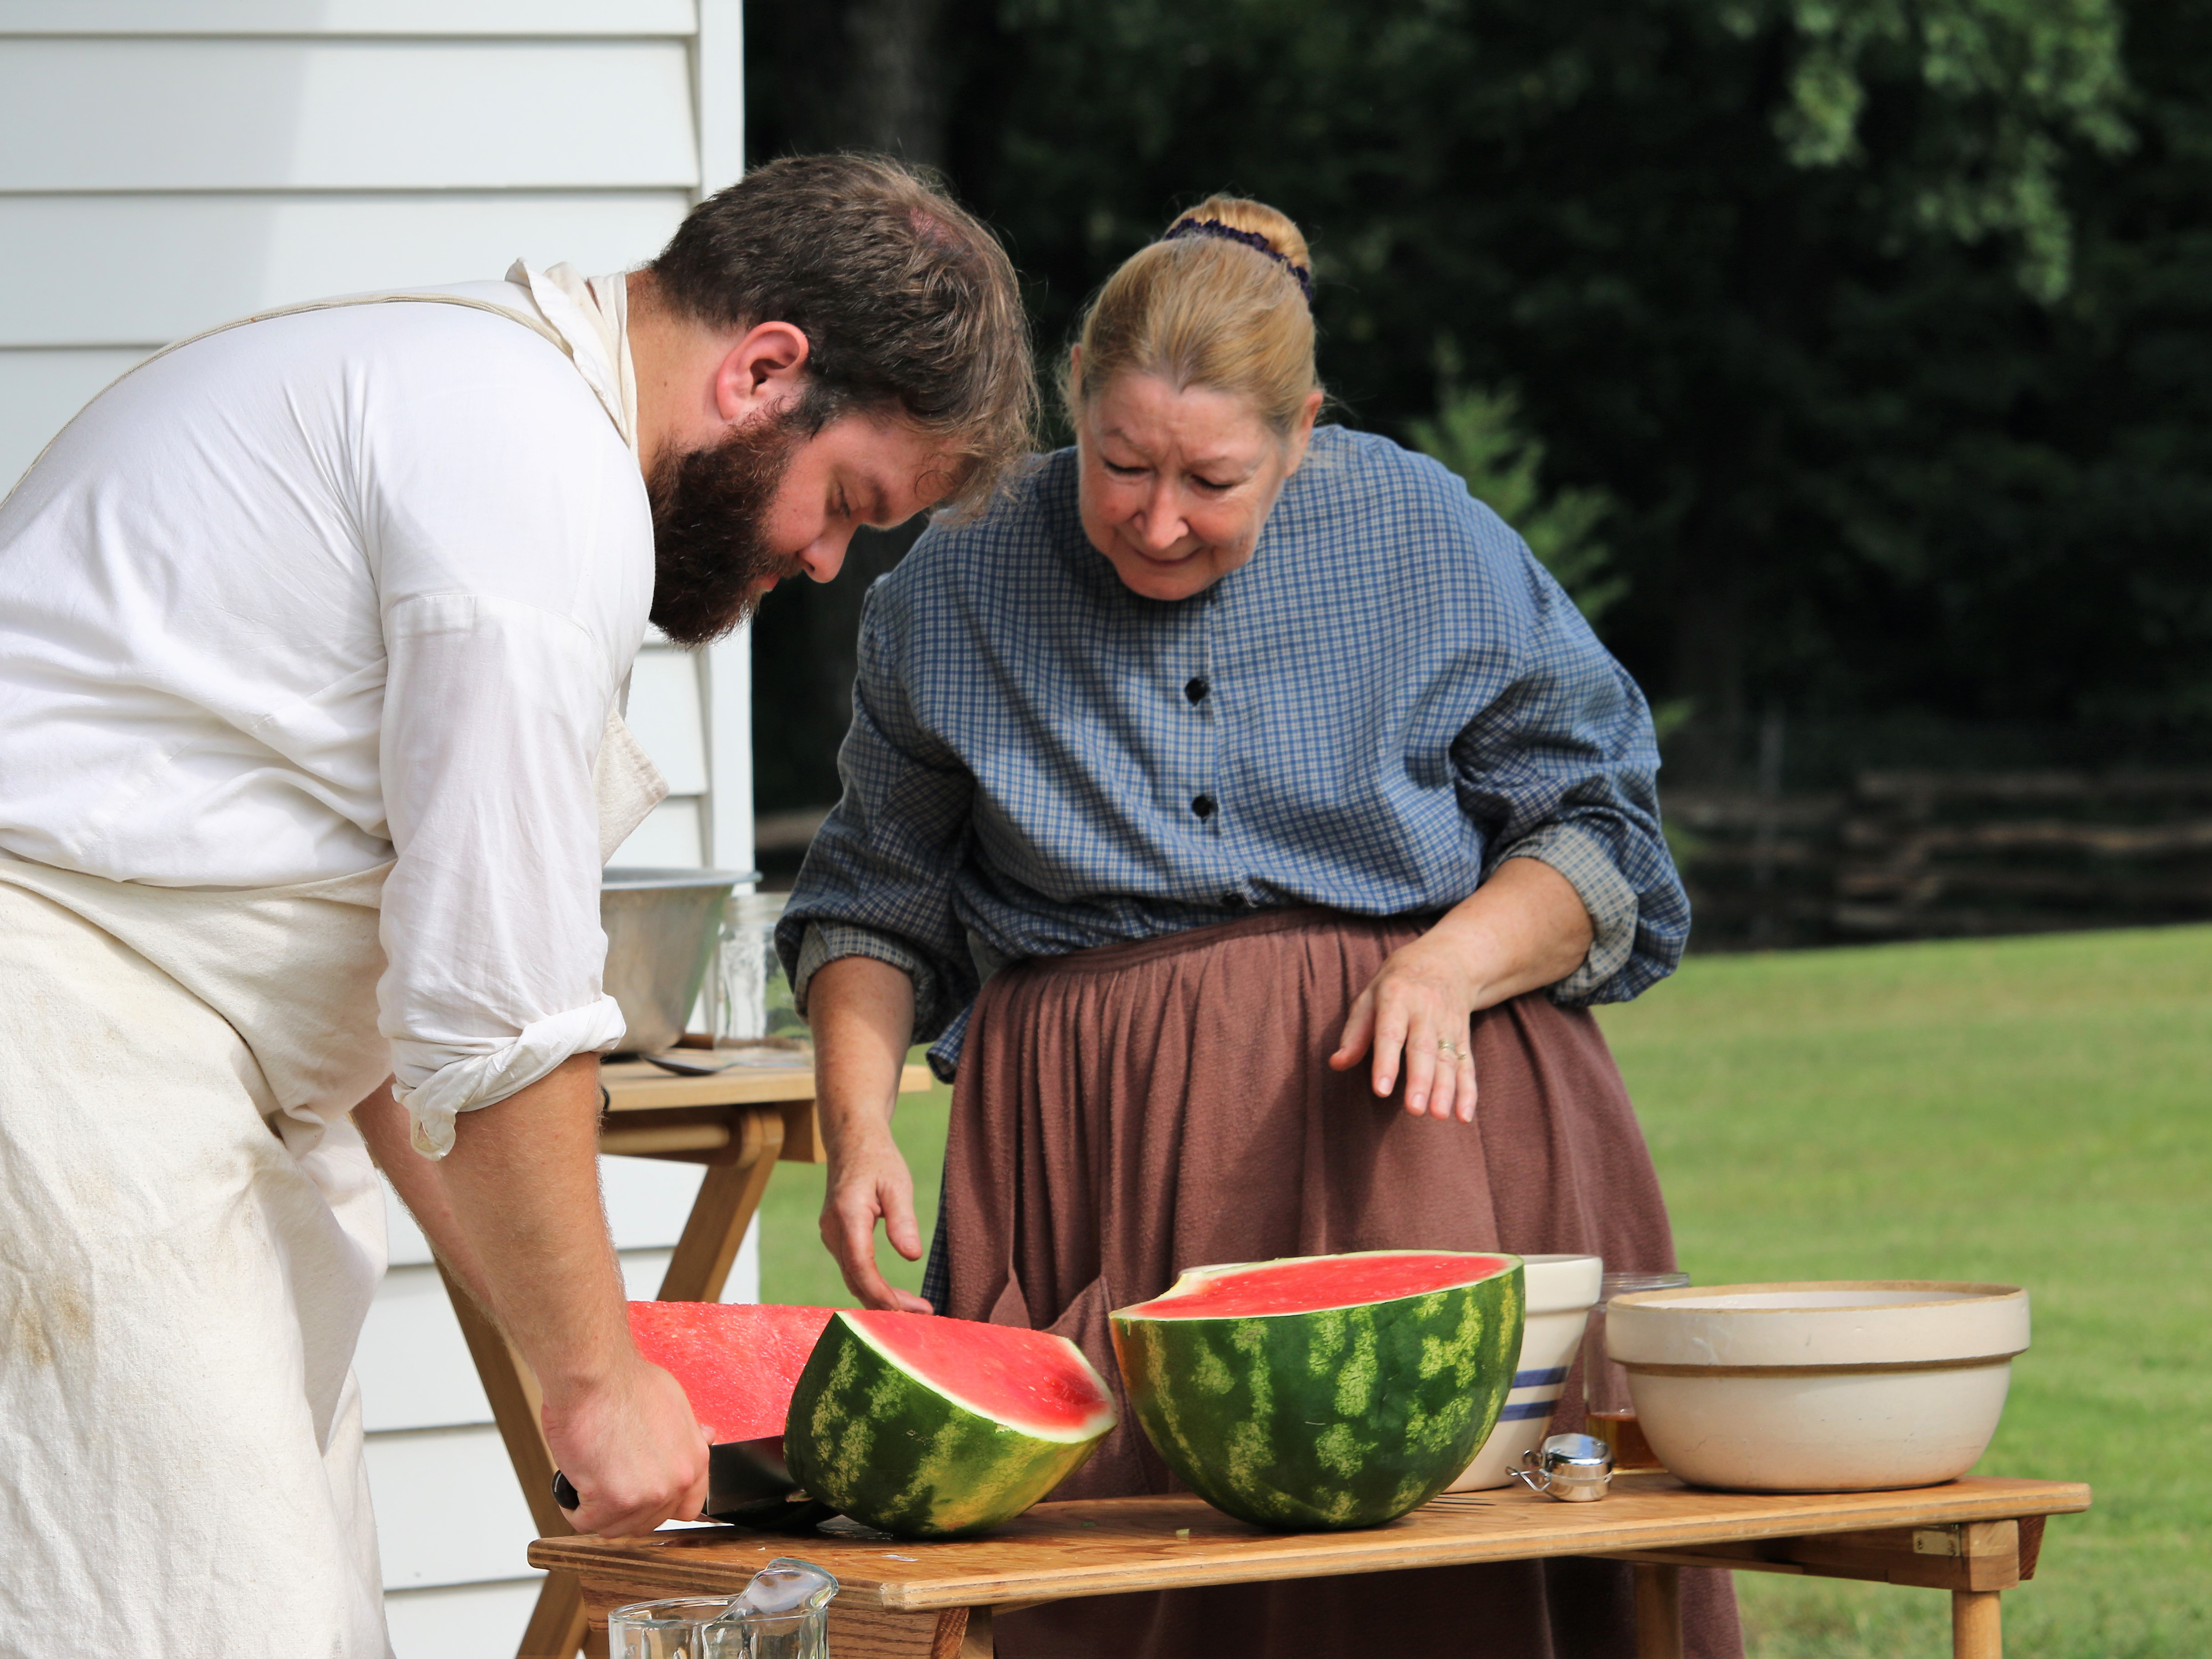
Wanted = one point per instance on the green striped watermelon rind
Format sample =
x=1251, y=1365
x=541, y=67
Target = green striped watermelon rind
x=1330, y=1419
x=868, y=1437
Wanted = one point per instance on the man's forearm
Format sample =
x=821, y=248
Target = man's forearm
x=514, y=1213
x=521, y=1187
x=421, y=1184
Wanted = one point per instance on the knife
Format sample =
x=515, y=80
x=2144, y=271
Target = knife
x=748, y=1484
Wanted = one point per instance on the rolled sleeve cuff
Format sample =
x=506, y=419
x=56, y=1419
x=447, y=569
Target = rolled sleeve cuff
x=436, y=1085
x=827, y=941
x=1581, y=858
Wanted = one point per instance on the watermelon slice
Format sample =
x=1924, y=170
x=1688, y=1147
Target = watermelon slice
x=737, y=1361
x=929, y=1427
x=1326, y=1391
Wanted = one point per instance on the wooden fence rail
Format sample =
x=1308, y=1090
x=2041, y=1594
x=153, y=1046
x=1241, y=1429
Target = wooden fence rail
x=1928, y=854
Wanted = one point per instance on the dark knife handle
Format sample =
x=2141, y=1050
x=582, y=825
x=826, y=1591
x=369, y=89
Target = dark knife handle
x=565, y=1493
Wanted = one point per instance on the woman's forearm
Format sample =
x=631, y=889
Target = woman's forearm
x=862, y=1015
x=1524, y=928
x=861, y=1011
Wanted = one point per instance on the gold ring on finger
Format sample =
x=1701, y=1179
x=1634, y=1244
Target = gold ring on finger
x=1446, y=1046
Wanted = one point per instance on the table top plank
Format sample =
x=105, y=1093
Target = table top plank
x=638, y=1086
x=1105, y=1546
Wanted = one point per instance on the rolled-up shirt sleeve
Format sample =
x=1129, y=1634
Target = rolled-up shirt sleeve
x=493, y=717
x=1564, y=769
x=878, y=879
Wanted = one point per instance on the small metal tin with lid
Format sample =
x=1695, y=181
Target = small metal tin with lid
x=1575, y=1468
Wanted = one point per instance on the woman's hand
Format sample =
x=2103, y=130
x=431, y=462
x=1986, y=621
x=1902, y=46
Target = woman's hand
x=1524, y=928
x=862, y=1012
x=870, y=1181
x=1418, y=1010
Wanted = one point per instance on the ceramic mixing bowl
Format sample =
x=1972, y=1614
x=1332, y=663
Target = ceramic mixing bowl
x=1562, y=1290
x=1857, y=1385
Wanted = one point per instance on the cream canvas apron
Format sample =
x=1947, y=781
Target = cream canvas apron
x=191, y=1228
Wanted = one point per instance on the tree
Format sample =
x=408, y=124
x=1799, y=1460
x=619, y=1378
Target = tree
x=1477, y=435
x=1886, y=345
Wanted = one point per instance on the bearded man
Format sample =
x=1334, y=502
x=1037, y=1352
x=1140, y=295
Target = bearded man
x=314, y=634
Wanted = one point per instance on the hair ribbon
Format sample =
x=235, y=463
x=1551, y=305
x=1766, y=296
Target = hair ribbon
x=1250, y=239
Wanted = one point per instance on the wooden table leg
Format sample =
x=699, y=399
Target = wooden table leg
x=975, y=1640
x=556, y=1630
x=728, y=1199
x=1976, y=1625
x=557, y=1626
x=1658, y=1611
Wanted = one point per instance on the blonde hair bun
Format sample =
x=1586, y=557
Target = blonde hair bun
x=1276, y=228
x=1200, y=309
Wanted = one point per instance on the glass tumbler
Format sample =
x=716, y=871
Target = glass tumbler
x=1605, y=1385
x=686, y=1627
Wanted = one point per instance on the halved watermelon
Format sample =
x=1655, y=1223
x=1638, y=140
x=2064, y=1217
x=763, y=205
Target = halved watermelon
x=1324, y=1391
x=737, y=1361
x=930, y=1427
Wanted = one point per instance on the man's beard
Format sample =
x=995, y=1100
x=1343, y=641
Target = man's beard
x=711, y=561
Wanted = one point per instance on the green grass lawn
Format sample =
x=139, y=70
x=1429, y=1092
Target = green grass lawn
x=2035, y=1111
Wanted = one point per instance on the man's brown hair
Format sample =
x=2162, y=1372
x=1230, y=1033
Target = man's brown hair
x=907, y=303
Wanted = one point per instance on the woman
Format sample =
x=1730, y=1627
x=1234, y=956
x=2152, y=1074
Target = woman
x=1231, y=781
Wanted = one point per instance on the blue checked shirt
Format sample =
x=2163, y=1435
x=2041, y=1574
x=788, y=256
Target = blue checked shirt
x=1391, y=698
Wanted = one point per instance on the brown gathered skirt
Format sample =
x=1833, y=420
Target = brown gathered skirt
x=1126, y=1112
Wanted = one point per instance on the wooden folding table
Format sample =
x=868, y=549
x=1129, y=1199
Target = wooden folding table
x=738, y=1122
x=906, y=1601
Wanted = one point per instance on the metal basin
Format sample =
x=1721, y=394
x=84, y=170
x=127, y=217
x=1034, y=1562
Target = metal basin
x=661, y=927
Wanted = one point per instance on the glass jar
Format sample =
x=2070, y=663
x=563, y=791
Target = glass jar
x=1605, y=1385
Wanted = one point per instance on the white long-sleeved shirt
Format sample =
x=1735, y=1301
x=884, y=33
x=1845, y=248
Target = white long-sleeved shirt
x=332, y=589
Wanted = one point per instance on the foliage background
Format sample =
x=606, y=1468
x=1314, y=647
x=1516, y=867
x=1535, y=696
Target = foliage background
x=1879, y=327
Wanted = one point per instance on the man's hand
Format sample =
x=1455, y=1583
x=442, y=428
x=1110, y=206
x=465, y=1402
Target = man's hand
x=631, y=1450
x=1524, y=928
x=868, y=1183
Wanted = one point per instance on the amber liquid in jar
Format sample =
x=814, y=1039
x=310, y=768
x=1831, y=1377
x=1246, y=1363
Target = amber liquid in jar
x=1623, y=1438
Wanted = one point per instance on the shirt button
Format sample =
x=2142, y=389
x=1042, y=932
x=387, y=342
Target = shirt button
x=1203, y=806
x=1195, y=689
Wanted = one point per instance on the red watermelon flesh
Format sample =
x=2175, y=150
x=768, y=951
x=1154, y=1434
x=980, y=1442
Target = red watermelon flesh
x=737, y=1361
x=1028, y=1379
x=1312, y=1284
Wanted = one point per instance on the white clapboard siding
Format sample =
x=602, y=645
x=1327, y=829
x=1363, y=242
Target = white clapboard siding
x=448, y=1511
x=242, y=114
x=480, y=1620
x=666, y=716
x=169, y=165
x=679, y=18
x=144, y=268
